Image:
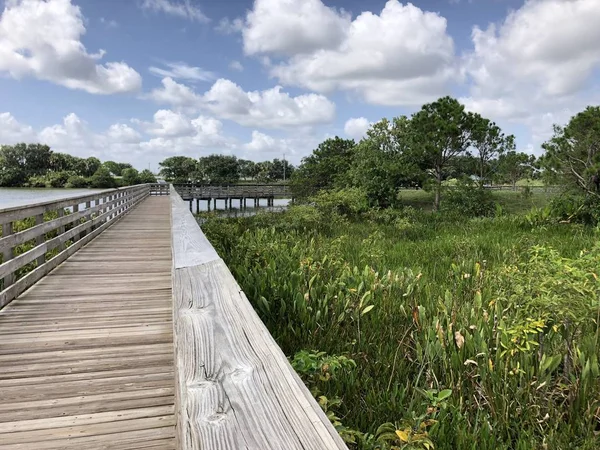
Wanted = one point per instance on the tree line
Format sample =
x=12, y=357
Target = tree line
x=36, y=165
x=443, y=141
x=223, y=169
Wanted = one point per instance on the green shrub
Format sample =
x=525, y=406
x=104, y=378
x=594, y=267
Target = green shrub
x=131, y=177
x=348, y=202
x=37, y=182
x=575, y=207
x=467, y=199
x=76, y=181
x=58, y=179
x=102, y=179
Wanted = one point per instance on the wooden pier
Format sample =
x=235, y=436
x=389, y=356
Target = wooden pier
x=239, y=193
x=122, y=328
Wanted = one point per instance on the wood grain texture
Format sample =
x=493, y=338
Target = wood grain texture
x=86, y=354
x=234, y=386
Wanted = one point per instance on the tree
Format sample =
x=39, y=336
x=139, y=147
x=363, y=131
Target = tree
x=92, y=165
x=327, y=167
x=573, y=153
x=147, y=177
x=248, y=169
x=102, y=179
x=513, y=166
x=130, y=177
x=383, y=162
x=117, y=168
x=489, y=141
x=220, y=169
x=280, y=170
x=440, y=133
x=20, y=162
x=178, y=169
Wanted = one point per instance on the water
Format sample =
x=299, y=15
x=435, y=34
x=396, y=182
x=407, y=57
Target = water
x=10, y=197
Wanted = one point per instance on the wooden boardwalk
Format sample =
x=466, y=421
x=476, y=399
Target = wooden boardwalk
x=86, y=355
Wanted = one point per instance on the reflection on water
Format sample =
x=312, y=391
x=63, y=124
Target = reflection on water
x=11, y=197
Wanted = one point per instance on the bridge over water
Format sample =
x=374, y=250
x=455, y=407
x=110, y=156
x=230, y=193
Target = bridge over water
x=121, y=328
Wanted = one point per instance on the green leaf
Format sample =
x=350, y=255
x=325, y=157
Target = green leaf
x=445, y=394
x=367, y=309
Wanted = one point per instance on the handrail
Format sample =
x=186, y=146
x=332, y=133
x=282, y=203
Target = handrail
x=63, y=225
x=234, y=386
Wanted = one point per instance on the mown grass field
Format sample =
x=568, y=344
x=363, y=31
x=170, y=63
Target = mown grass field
x=420, y=330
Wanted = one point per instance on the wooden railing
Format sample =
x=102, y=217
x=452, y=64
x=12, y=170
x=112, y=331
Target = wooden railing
x=37, y=238
x=188, y=191
x=234, y=386
x=159, y=189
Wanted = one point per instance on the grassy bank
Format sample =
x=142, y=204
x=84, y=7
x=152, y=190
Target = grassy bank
x=414, y=329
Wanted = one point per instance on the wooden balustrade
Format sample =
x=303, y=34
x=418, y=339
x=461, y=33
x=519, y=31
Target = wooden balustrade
x=234, y=386
x=159, y=189
x=189, y=191
x=54, y=231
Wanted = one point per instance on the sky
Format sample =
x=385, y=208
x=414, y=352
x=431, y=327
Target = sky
x=141, y=80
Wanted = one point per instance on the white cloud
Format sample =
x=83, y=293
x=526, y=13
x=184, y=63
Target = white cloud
x=168, y=123
x=109, y=23
x=288, y=27
x=123, y=133
x=42, y=39
x=535, y=67
x=227, y=26
x=174, y=94
x=185, y=9
x=237, y=66
x=403, y=56
x=12, y=131
x=180, y=70
x=271, y=108
x=357, y=128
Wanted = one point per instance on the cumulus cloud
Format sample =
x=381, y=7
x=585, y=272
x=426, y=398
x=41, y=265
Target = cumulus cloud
x=181, y=70
x=185, y=9
x=288, y=27
x=270, y=108
x=402, y=56
x=12, y=131
x=535, y=67
x=42, y=39
x=357, y=128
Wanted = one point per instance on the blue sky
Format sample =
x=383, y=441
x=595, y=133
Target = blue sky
x=141, y=80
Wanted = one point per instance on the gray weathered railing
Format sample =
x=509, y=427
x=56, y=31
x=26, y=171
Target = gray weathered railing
x=159, y=189
x=188, y=191
x=61, y=227
x=234, y=386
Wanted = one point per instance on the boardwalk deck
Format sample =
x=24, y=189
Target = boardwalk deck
x=86, y=355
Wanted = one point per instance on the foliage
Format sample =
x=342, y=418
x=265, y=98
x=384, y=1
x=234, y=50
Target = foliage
x=325, y=168
x=576, y=207
x=469, y=200
x=131, y=177
x=440, y=133
x=77, y=181
x=117, y=168
x=146, y=176
x=513, y=166
x=573, y=153
x=179, y=169
x=349, y=202
x=102, y=179
x=219, y=169
x=490, y=143
x=461, y=329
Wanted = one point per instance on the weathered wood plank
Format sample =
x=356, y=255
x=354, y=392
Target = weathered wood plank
x=86, y=354
x=235, y=388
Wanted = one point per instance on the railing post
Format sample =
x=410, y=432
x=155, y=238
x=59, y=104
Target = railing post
x=39, y=219
x=75, y=210
x=7, y=253
x=61, y=229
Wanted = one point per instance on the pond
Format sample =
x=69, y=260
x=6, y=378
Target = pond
x=10, y=197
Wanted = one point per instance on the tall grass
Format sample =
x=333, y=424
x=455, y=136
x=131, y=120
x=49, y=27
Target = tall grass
x=465, y=334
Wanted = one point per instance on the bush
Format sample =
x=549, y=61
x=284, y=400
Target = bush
x=468, y=200
x=57, y=179
x=348, y=202
x=37, y=182
x=102, y=179
x=130, y=177
x=76, y=181
x=147, y=177
x=575, y=207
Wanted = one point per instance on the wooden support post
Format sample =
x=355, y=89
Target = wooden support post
x=245, y=204
x=7, y=253
x=215, y=204
x=197, y=205
x=39, y=219
x=61, y=230
x=75, y=210
x=191, y=210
